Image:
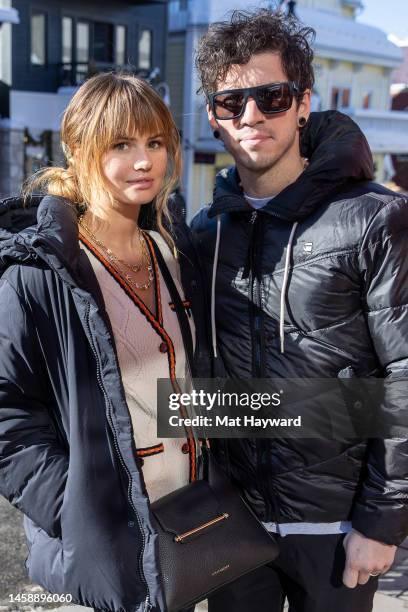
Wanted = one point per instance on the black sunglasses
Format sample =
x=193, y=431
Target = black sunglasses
x=270, y=98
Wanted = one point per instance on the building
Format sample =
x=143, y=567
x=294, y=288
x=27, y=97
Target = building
x=353, y=66
x=47, y=49
x=399, y=90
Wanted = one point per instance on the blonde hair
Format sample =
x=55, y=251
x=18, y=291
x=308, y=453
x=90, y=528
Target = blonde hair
x=106, y=107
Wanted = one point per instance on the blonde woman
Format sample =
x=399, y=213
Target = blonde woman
x=87, y=326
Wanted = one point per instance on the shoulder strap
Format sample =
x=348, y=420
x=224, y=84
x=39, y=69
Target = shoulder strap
x=180, y=311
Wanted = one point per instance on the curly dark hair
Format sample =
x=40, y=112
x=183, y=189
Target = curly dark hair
x=248, y=33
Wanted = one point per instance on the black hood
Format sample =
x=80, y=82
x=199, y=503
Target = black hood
x=338, y=153
x=41, y=227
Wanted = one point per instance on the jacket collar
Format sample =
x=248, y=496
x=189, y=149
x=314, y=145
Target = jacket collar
x=338, y=153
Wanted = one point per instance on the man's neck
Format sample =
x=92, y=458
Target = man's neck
x=272, y=181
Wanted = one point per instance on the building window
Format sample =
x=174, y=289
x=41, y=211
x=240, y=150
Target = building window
x=82, y=52
x=38, y=39
x=120, y=45
x=66, y=40
x=367, y=100
x=340, y=98
x=82, y=42
x=145, y=49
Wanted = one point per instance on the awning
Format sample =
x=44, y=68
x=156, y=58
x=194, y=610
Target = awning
x=9, y=15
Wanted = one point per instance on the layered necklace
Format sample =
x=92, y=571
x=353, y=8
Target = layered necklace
x=120, y=265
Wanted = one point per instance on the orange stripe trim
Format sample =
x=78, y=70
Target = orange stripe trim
x=155, y=324
x=172, y=356
x=150, y=450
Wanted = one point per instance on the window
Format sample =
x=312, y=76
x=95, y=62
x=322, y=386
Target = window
x=38, y=39
x=82, y=42
x=145, y=49
x=340, y=98
x=367, y=100
x=66, y=40
x=120, y=45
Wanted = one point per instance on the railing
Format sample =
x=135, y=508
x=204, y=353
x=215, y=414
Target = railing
x=75, y=73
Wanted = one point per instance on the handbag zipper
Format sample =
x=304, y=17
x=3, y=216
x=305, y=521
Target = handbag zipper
x=147, y=604
x=214, y=521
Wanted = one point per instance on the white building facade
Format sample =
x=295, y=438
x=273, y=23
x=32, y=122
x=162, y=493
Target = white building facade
x=353, y=66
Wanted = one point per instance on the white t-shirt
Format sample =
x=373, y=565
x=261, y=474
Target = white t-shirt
x=257, y=203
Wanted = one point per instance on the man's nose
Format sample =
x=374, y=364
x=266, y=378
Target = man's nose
x=251, y=115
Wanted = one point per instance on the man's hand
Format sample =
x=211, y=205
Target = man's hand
x=364, y=557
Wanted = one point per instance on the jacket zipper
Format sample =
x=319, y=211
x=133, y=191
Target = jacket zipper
x=256, y=299
x=255, y=280
x=147, y=605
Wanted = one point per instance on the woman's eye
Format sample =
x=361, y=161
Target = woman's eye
x=155, y=144
x=121, y=146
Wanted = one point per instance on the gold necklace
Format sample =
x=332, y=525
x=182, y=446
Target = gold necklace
x=115, y=260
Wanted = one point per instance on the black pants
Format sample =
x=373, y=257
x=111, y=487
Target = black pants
x=308, y=572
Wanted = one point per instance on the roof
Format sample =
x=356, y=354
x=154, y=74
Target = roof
x=340, y=38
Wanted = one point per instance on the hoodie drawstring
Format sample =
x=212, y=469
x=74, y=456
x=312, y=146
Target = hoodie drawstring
x=284, y=288
x=214, y=276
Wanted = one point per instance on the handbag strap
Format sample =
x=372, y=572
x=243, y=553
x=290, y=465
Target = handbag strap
x=182, y=319
x=178, y=305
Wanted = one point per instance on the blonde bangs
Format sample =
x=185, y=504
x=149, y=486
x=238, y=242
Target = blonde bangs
x=133, y=109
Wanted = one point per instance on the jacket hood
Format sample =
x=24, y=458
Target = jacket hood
x=338, y=153
x=43, y=227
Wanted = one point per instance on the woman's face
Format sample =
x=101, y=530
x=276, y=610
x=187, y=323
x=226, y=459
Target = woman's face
x=135, y=168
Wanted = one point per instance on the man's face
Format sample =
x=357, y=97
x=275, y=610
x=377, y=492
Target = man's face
x=257, y=141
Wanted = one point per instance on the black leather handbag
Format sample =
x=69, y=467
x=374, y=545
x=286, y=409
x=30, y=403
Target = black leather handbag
x=208, y=535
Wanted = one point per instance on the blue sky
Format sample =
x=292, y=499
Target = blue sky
x=389, y=15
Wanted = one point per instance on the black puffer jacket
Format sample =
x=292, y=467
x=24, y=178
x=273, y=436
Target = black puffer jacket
x=67, y=454
x=346, y=314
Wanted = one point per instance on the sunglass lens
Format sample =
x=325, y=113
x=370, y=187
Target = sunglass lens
x=227, y=106
x=274, y=99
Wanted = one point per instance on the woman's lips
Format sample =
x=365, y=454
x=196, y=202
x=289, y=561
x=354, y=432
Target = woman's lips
x=141, y=183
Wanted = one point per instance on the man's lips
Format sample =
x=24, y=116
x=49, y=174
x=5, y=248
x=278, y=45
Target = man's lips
x=254, y=138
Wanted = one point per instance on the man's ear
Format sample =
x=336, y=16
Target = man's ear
x=303, y=109
x=211, y=119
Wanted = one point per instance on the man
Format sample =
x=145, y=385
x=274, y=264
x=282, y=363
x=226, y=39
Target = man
x=309, y=273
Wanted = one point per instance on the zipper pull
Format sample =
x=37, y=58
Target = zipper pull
x=253, y=217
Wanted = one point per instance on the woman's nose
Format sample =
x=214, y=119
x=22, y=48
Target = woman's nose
x=142, y=162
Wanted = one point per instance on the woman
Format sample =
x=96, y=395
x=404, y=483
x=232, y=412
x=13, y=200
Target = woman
x=87, y=325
